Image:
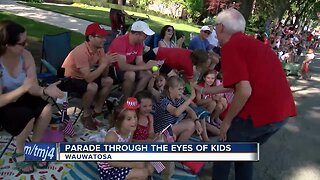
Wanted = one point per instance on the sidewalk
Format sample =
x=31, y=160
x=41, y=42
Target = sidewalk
x=44, y=16
x=292, y=153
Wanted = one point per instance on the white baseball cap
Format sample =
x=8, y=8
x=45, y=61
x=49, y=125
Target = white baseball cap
x=205, y=28
x=141, y=26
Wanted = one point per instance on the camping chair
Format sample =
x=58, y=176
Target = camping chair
x=152, y=41
x=6, y=147
x=114, y=96
x=55, y=49
x=8, y=144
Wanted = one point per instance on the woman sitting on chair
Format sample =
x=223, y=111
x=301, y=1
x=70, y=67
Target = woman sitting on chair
x=22, y=109
x=167, y=38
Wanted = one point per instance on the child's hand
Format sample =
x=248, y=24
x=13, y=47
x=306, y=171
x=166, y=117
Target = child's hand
x=193, y=93
x=216, y=98
x=157, y=137
x=174, y=137
x=198, y=127
x=155, y=74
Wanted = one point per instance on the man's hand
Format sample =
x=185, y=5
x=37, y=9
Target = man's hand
x=109, y=59
x=151, y=63
x=53, y=91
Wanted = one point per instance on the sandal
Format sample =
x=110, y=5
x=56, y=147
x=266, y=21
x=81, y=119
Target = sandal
x=95, y=114
x=41, y=164
x=88, y=123
x=97, y=121
x=22, y=165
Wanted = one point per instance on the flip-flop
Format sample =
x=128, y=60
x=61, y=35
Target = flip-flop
x=45, y=166
x=22, y=164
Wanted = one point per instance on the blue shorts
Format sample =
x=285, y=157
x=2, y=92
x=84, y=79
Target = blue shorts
x=201, y=112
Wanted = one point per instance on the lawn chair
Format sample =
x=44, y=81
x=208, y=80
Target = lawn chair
x=55, y=49
x=152, y=41
x=6, y=147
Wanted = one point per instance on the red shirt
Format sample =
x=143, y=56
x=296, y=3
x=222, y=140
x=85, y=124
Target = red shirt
x=122, y=46
x=205, y=95
x=245, y=58
x=310, y=37
x=177, y=58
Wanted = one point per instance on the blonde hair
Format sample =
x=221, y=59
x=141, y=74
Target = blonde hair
x=173, y=82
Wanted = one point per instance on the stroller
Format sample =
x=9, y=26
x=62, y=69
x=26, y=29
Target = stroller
x=118, y=21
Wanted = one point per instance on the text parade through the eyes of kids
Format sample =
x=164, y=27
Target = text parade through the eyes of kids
x=149, y=148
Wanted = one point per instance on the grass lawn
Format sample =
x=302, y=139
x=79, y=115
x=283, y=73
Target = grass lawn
x=37, y=29
x=101, y=15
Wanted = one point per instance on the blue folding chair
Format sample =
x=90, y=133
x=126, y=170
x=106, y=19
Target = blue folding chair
x=152, y=41
x=55, y=48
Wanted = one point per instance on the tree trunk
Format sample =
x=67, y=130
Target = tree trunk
x=246, y=8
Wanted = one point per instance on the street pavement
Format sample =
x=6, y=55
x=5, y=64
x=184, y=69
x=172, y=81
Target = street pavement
x=293, y=153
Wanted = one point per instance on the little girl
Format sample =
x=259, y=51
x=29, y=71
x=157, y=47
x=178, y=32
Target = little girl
x=170, y=110
x=156, y=84
x=305, y=65
x=124, y=125
x=215, y=104
x=144, y=131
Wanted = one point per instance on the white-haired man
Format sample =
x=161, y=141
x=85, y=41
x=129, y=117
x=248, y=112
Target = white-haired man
x=258, y=109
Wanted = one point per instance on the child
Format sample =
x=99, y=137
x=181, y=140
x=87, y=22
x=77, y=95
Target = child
x=124, y=125
x=305, y=65
x=170, y=110
x=144, y=130
x=215, y=104
x=156, y=84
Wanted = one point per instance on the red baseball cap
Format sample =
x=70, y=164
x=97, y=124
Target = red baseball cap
x=131, y=104
x=96, y=28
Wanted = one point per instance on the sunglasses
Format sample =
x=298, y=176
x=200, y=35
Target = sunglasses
x=24, y=43
x=170, y=30
x=207, y=32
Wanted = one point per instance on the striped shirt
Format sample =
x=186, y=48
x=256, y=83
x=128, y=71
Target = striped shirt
x=162, y=118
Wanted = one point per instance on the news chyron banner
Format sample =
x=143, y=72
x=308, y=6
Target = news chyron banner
x=142, y=152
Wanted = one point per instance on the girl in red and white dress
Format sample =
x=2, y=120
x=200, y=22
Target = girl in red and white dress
x=144, y=131
x=124, y=126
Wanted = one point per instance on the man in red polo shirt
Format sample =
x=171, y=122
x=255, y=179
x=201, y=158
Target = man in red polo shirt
x=130, y=67
x=262, y=99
